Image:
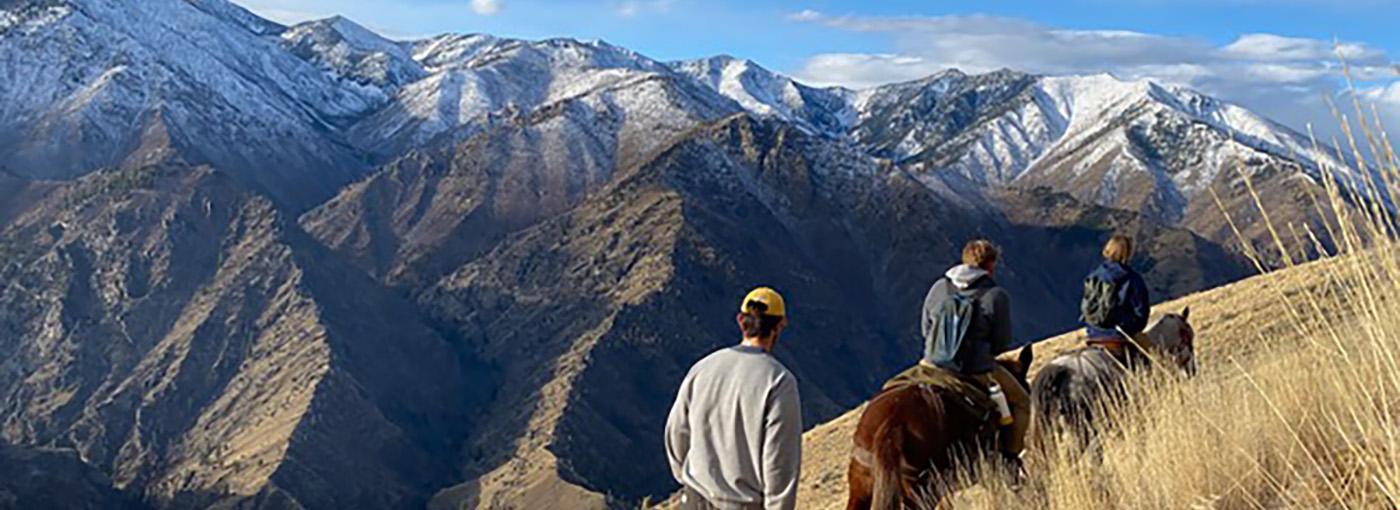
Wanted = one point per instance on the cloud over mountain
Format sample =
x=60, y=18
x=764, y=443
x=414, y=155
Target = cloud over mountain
x=486, y=7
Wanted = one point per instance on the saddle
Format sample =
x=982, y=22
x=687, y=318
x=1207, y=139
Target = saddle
x=969, y=393
x=1127, y=353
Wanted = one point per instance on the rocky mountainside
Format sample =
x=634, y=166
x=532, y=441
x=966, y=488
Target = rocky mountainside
x=185, y=339
x=38, y=478
x=592, y=90
x=299, y=111
x=437, y=207
x=98, y=83
x=18, y=194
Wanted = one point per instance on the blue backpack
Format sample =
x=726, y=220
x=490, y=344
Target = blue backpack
x=954, y=316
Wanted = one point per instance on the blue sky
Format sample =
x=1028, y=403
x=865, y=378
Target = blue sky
x=1274, y=56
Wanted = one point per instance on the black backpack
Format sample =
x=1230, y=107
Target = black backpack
x=1101, y=299
x=955, y=314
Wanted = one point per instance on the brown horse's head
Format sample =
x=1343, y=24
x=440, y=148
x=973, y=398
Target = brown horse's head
x=1174, y=338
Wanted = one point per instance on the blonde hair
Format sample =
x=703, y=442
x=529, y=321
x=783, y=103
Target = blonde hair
x=981, y=253
x=1118, y=249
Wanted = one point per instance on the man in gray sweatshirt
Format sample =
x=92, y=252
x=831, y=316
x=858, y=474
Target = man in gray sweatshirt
x=734, y=435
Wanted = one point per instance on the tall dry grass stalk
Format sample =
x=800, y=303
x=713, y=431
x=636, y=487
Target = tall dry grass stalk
x=1311, y=421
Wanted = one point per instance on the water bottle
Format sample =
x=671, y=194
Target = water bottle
x=1003, y=408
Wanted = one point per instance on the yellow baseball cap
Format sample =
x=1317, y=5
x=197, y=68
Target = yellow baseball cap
x=768, y=297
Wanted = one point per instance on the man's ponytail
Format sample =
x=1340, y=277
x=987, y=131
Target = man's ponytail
x=755, y=323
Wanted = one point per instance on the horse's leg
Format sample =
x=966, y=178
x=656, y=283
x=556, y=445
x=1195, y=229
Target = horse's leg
x=859, y=487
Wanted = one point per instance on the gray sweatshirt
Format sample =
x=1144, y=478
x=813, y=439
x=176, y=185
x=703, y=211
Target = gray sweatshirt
x=735, y=432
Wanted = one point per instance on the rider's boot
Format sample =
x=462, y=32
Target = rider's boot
x=1015, y=470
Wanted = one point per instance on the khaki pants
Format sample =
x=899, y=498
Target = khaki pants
x=1020, y=402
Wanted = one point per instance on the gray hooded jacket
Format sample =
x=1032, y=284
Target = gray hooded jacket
x=990, y=331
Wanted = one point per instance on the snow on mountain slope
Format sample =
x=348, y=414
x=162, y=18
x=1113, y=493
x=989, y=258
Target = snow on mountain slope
x=96, y=83
x=763, y=92
x=303, y=110
x=478, y=82
x=1133, y=144
x=351, y=51
x=227, y=11
x=446, y=50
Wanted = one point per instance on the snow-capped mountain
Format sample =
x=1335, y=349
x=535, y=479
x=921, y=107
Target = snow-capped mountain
x=477, y=82
x=95, y=83
x=351, y=51
x=1136, y=145
x=767, y=93
x=1132, y=144
x=303, y=110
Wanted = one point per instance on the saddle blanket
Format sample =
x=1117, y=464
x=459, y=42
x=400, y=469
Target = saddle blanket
x=970, y=393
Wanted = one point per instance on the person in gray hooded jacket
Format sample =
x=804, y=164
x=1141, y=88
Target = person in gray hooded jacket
x=988, y=333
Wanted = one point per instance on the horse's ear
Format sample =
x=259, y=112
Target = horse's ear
x=1186, y=314
x=1025, y=358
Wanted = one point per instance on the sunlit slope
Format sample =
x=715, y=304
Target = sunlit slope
x=1234, y=323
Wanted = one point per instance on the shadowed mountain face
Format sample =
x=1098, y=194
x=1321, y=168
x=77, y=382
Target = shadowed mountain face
x=434, y=209
x=35, y=478
x=186, y=340
x=18, y=194
x=595, y=314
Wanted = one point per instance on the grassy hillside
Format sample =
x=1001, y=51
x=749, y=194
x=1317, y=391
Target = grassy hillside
x=1245, y=324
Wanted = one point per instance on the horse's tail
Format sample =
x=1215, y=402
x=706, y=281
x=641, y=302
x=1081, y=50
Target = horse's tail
x=1054, y=403
x=888, y=466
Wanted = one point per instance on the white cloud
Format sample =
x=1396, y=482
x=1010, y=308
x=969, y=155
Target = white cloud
x=1284, y=73
x=276, y=12
x=1284, y=77
x=634, y=8
x=486, y=7
x=862, y=70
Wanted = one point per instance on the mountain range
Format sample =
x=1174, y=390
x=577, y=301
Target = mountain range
x=261, y=266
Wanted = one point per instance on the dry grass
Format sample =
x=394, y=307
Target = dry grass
x=1306, y=419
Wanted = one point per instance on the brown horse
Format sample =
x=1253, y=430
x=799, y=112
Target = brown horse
x=911, y=438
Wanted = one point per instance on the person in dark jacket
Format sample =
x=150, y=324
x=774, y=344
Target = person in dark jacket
x=988, y=334
x=1133, y=307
